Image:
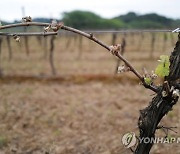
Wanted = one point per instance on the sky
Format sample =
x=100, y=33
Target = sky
x=11, y=10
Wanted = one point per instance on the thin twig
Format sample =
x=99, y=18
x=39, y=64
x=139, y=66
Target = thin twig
x=166, y=129
x=24, y=24
x=131, y=31
x=28, y=34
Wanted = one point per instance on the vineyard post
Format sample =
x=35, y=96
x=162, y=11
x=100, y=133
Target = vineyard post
x=1, y=39
x=39, y=40
x=9, y=47
x=74, y=37
x=153, y=39
x=45, y=47
x=165, y=37
x=114, y=38
x=26, y=41
x=141, y=39
x=51, y=55
x=172, y=38
x=80, y=47
x=68, y=41
x=132, y=35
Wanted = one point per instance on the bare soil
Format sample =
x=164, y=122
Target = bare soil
x=78, y=115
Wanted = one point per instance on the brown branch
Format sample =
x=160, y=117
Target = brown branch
x=91, y=37
x=24, y=24
x=29, y=34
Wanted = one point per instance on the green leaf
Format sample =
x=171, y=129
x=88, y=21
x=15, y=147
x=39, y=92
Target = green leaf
x=148, y=81
x=162, y=69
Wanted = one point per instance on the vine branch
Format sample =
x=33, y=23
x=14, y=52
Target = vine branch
x=89, y=36
x=29, y=34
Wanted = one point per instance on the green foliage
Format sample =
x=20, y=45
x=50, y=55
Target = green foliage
x=151, y=20
x=176, y=23
x=145, y=24
x=127, y=18
x=42, y=20
x=148, y=80
x=89, y=20
x=162, y=69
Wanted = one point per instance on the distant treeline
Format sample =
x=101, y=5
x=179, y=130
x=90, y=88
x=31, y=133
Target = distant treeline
x=88, y=20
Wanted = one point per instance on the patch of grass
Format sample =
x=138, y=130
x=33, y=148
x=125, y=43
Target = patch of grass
x=28, y=91
x=3, y=141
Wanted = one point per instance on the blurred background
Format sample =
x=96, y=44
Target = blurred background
x=93, y=14
x=69, y=99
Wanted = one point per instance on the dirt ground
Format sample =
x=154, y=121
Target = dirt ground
x=88, y=117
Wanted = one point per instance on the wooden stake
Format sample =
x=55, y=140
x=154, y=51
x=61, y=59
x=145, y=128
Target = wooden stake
x=51, y=55
x=9, y=47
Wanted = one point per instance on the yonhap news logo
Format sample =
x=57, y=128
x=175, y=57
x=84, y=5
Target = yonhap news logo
x=130, y=139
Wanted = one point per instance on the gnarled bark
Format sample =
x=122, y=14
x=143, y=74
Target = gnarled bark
x=160, y=105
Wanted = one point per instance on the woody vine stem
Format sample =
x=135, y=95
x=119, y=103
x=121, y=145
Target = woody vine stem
x=114, y=49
